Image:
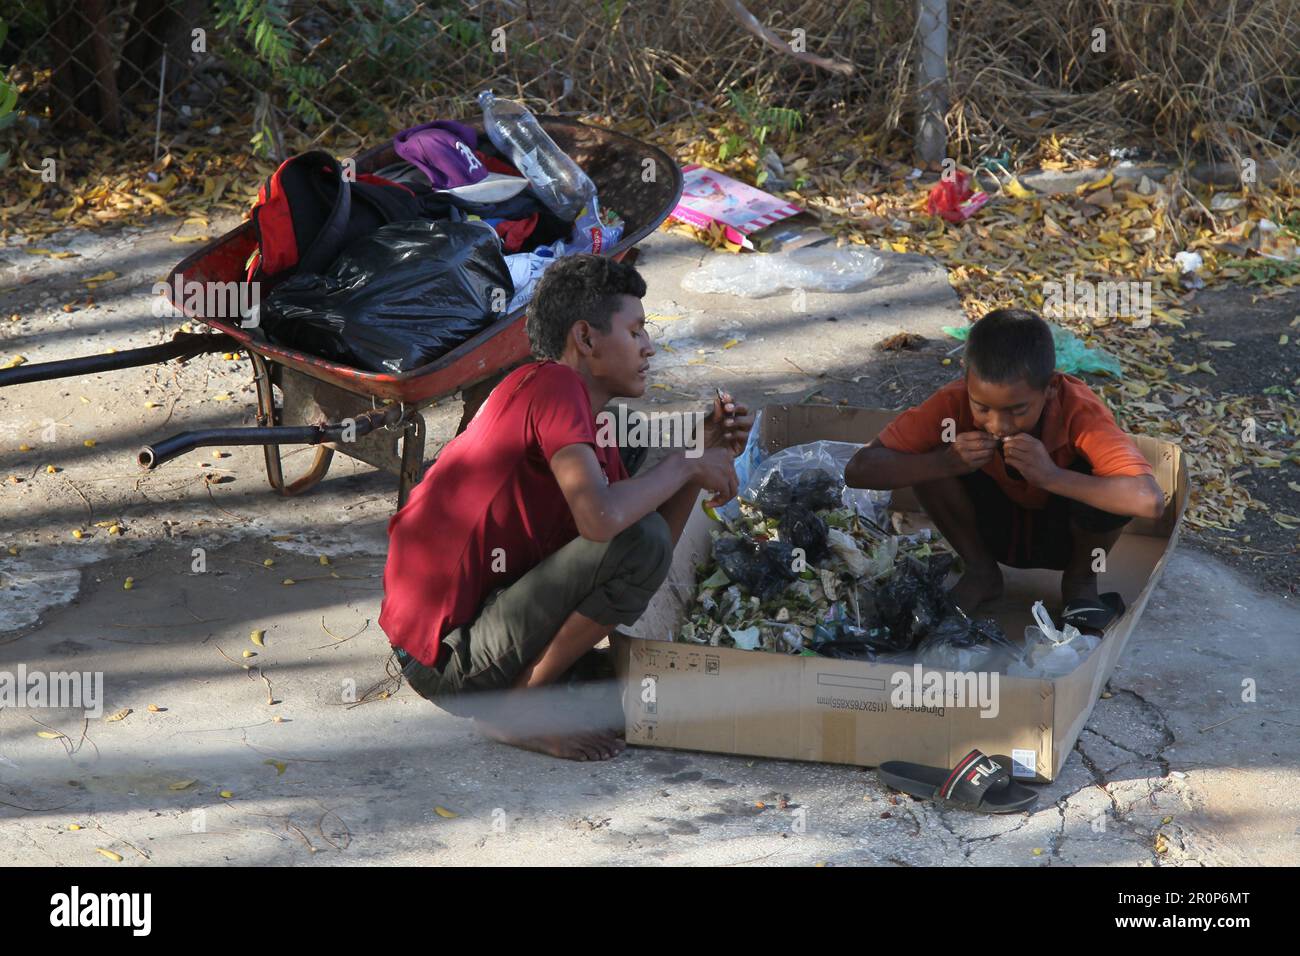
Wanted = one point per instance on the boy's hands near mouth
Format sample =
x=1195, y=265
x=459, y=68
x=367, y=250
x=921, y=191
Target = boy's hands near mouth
x=973, y=450
x=728, y=425
x=1029, y=456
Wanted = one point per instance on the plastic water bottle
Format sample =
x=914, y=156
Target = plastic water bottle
x=557, y=180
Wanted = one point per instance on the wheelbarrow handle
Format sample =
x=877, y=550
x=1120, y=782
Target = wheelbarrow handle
x=151, y=456
x=184, y=346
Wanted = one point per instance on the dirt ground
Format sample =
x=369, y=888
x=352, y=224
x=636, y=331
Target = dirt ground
x=1254, y=364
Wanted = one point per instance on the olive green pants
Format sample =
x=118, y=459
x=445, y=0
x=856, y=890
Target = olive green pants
x=610, y=582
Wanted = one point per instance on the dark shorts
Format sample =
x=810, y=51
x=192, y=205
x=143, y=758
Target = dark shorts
x=1034, y=538
x=610, y=582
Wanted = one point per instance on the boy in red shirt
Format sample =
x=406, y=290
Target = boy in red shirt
x=526, y=542
x=1017, y=464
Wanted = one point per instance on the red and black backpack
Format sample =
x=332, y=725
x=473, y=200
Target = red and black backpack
x=308, y=211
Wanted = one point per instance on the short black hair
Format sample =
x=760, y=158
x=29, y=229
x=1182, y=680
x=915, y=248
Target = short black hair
x=1008, y=345
x=579, y=287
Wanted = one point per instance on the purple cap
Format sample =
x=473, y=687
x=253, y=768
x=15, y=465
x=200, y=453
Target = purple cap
x=444, y=151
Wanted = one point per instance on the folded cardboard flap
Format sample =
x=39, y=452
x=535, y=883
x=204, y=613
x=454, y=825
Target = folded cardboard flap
x=757, y=703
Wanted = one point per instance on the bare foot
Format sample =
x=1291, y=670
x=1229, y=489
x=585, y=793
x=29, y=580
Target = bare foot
x=1078, y=587
x=977, y=585
x=579, y=745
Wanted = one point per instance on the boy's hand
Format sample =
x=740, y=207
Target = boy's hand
x=715, y=471
x=973, y=450
x=728, y=425
x=1029, y=456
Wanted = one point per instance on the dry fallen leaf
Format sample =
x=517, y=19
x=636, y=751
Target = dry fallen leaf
x=258, y=638
x=115, y=857
x=120, y=715
x=445, y=813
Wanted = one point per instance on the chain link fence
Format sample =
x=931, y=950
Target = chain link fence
x=287, y=76
x=282, y=76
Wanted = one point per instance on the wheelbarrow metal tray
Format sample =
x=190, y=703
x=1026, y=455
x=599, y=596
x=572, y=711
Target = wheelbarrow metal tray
x=614, y=161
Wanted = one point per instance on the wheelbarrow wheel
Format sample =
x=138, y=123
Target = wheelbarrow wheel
x=268, y=414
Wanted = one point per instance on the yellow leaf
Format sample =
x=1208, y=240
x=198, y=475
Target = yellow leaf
x=181, y=785
x=75, y=826
x=1099, y=184
x=102, y=277
x=258, y=638
x=279, y=766
x=115, y=857
x=120, y=715
x=731, y=343
x=48, y=734
x=226, y=794
x=1016, y=188
x=445, y=813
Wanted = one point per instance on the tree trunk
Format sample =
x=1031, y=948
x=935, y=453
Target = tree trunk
x=83, y=83
x=155, y=25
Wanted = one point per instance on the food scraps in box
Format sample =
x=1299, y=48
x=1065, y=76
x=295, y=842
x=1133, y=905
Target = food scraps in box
x=799, y=573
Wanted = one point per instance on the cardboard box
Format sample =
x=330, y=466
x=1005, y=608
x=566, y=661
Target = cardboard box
x=758, y=703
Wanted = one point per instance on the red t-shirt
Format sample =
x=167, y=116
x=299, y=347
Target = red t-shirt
x=1075, y=423
x=489, y=509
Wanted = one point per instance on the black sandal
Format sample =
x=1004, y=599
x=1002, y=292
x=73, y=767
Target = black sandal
x=1090, y=615
x=978, y=783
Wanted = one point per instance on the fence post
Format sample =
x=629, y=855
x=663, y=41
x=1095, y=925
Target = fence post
x=932, y=80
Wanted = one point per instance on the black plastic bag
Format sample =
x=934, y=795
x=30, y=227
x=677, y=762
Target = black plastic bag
x=816, y=490
x=800, y=527
x=773, y=495
x=764, y=570
x=397, y=299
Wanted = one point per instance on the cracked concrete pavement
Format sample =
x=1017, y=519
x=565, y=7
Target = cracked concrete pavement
x=1191, y=759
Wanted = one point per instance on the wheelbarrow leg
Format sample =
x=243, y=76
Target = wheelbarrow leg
x=266, y=416
x=412, y=459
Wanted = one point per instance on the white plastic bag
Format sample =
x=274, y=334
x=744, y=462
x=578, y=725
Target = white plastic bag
x=823, y=268
x=1050, y=653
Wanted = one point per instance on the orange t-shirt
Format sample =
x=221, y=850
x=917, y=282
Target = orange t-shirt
x=1076, y=423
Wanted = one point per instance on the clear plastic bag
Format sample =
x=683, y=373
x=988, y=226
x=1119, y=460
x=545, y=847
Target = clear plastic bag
x=1050, y=653
x=824, y=268
x=831, y=457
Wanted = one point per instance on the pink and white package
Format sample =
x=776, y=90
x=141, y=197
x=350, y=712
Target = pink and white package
x=709, y=196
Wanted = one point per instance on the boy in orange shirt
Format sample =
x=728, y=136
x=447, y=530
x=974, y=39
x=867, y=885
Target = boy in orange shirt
x=1017, y=464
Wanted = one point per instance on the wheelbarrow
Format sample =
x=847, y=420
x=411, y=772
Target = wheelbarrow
x=358, y=413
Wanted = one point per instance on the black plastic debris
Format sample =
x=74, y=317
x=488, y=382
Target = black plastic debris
x=773, y=495
x=801, y=527
x=815, y=490
x=764, y=570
